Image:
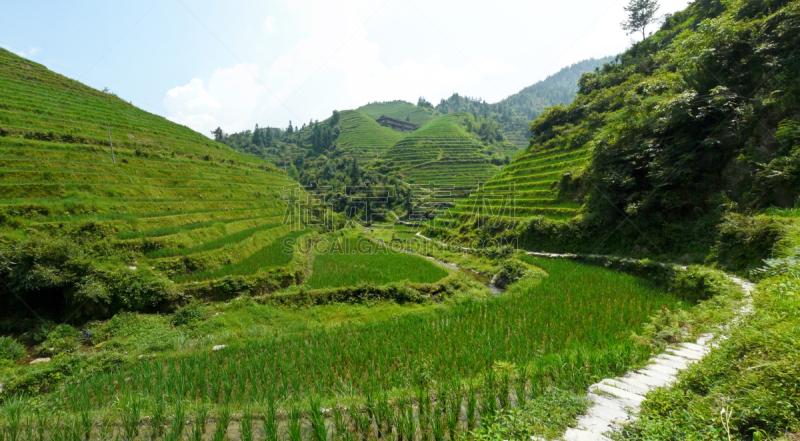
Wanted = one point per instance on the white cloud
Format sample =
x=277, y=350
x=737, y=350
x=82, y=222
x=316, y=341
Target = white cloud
x=269, y=23
x=319, y=74
x=29, y=53
x=229, y=101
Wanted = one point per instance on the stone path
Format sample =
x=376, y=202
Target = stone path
x=617, y=400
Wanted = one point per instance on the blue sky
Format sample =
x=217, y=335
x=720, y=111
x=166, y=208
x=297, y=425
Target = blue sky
x=240, y=62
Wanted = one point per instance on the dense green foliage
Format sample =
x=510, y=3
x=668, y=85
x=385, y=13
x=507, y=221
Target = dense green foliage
x=11, y=349
x=697, y=120
x=75, y=226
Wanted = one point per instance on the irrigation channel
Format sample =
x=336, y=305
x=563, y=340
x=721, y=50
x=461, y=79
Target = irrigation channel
x=616, y=401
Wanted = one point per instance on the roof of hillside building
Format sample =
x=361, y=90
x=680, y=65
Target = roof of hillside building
x=396, y=124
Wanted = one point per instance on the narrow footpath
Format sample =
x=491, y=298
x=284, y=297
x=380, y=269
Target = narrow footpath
x=617, y=401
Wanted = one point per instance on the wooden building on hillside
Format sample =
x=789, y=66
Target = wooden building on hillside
x=396, y=124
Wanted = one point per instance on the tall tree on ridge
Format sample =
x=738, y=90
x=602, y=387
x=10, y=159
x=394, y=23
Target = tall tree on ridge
x=641, y=13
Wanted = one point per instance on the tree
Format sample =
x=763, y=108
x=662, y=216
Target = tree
x=289, y=130
x=218, y=134
x=641, y=13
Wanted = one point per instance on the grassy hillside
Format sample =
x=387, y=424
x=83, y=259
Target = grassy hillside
x=668, y=145
x=531, y=179
x=402, y=110
x=77, y=229
x=362, y=138
x=445, y=153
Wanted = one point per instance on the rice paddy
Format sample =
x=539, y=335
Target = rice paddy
x=357, y=261
x=565, y=330
x=526, y=187
x=443, y=153
x=363, y=138
x=168, y=191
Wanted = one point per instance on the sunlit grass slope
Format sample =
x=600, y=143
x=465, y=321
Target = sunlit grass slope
x=172, y=192
x=526, y=187
x=363, y=138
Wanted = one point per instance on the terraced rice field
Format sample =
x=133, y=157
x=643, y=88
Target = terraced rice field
x=363, y=138
x=530, y=179
x=445, y=154
x=169, y=192
x=399, y=110
x=566, y=330
x=351, y=262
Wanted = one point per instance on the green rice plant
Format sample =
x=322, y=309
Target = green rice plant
x=198, y=428
x=472, y=407
x=177, y=424
x=271, y=256
x=212, y=244
x=131, y=416
x=271, y=420
x=223, y=421
x=158, y=419
x=341, y=429
x=454, y=412
x=167, y=231
x=319, y=432
x=294, y=427
x=247, y=425
x=350, y=262
x=42, y=423
x=12, y=413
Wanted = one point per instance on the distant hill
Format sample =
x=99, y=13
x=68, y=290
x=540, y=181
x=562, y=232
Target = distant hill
x=363, y=138
x=516, y=112
x=79, y=232
x=401, y=110
x=446, y=151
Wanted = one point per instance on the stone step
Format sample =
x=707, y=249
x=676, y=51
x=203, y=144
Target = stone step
x=686, y=353
x=636, y=382
x=656, y=374
x=680, y=360
x=652, y=382
x=583, y=435
x=641, y=391
x=660, y=367
x=628, y=398
x=666, y=362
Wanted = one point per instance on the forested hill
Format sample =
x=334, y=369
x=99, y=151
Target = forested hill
x=517, y=111
x=678, y=142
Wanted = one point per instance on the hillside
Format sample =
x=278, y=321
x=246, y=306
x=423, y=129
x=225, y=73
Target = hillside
x=362, y=138
x=515, y=112
x=402, y=110
x=673, y=146
x=79, y=232
x=444, y=152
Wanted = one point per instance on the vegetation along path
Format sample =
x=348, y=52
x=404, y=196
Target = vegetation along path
x=616, y=401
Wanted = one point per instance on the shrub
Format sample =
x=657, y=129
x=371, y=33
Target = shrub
x=511, y=271
x=11, y=349
x=63, y=338
x=189, y=314
x=744, y=241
